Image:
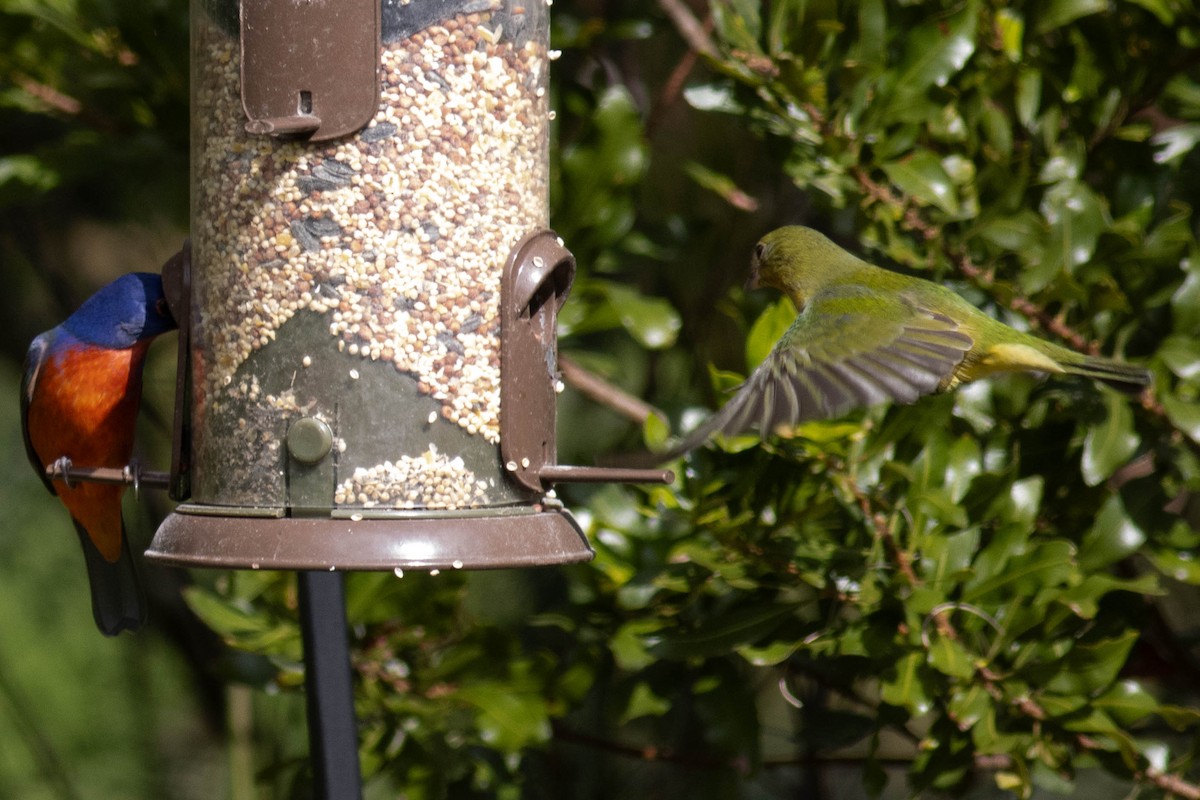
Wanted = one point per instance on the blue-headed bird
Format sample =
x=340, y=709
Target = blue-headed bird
x=79, y=401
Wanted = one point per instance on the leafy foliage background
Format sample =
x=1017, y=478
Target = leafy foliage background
x=987, y=589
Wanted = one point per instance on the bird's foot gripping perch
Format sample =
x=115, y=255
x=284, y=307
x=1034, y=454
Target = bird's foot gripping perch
x=132, y=473
x=61, y=468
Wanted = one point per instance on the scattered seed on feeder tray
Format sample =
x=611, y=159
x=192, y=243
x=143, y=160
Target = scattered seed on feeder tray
x=431, y=480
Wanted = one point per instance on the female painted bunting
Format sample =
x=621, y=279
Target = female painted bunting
x=79, y=400
x=865, y=335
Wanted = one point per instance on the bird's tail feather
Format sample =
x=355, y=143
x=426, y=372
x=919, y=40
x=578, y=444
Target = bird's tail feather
x=118, y=601
x=1120, y=376
x=696, y=437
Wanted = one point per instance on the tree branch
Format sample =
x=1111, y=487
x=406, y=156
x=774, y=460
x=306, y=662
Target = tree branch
x=691, y=30
x=1172, y=784
x=606, y=394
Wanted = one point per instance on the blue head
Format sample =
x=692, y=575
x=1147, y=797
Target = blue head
x=129, y=310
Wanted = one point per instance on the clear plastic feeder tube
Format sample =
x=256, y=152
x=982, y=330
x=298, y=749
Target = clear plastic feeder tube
x=356, y=281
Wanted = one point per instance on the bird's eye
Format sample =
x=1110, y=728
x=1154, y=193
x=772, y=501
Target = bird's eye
x=161, y=308
x=759, y=249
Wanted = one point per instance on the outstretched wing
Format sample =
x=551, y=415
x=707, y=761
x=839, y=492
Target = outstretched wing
x=35, y=358
x=848, y=348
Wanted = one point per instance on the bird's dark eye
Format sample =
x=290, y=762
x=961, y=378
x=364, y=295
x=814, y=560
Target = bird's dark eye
x=161, y=308
x=759, y=249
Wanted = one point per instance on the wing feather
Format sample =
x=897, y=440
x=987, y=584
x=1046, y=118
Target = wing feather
x=832, y=360
x=35, y=358
x=903, y=381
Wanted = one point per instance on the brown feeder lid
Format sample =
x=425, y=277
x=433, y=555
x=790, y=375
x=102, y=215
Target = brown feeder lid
x=309, y=70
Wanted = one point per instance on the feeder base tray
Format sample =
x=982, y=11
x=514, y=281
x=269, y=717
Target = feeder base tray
x=198, y=536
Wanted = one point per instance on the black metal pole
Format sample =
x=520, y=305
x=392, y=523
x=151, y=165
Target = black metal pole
x=332, y=728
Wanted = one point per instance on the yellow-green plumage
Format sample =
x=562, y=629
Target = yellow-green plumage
x=865, y=335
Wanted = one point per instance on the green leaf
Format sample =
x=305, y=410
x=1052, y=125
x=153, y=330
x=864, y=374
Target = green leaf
x=1011, y=26
x=1180, y=717
x=655, y=431
x=968, y=704
x=1175, y=143
x=771, y=654
x=996, y=126
x=632, y=642
x=1019, y=232
x=1052, y=778
x=644, y=703
x=1084, y=598
x=906, y=689
x=769, y=329
x=250, y=627
x=1110, y=442
x=1085, y=81
x=622, y=151
x=509, y=720
x=988, y=738
x=1011, y=782
x=1181, y=354
x=1093, y=666
x=949, y=657
x=722, y=634
x=874, y=777
x=1029, y=96
x=1185, y=302
x=1165, y=10
x=1176, y=565
x=871, y=47
x=24, y=175
x=1048, y=564
x=1076, y=217
x=1113, y=536
x=962, y=466
x=1057, y=705
x=1022, y=503
x=738, y=23
x=1183, y=415
x=713, y=97
x=936, y=51
x=1056, y=13
x=1094, y=721
x=1127, y=702
x=652, y=321
x=943, y=557
x=923, y=177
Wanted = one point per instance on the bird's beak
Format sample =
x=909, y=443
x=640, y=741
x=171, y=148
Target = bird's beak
x=752, y=281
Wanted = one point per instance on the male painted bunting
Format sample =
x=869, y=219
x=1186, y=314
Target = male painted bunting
x=79, y=400
x=865, y=335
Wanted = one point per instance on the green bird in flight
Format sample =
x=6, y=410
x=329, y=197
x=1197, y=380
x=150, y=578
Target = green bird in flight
x=865, y=335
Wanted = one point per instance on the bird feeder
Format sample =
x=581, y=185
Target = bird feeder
x=367, y=314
